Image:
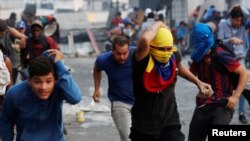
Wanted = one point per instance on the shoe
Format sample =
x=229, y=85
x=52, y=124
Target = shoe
x=65, y=132
x=243, y=118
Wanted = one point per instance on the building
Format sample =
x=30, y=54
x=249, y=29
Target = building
x=178, y=10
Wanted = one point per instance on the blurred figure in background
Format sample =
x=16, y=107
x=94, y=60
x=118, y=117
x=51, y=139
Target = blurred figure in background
x=117, y=19
x=12, y=20
x=15, y=52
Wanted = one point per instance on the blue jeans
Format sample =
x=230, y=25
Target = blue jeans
x=241, y=104
x=246, y=94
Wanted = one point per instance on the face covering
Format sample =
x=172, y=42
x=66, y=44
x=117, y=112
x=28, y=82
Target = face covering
x=162, y=56
x=128, y=32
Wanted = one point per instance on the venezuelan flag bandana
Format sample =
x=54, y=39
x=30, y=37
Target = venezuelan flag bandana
x=161, y=69
x=159, y=75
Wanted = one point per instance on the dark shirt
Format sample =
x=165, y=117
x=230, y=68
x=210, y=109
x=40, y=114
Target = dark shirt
x=220, y=82
x=153, y=112
x=35, y=48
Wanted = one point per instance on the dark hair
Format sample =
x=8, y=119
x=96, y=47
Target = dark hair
x=160, y=17
x=12, y=16
x=236, y=12
x=41, y=66
x=120, y=40
x=118, y=13
x=212, y=6
x=151, y=15
x=3, y=25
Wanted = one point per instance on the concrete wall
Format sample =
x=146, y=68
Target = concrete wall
x=179, y=11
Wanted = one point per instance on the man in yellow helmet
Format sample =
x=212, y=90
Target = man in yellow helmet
x=155, y=64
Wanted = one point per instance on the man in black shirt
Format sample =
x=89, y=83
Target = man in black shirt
x=155, y=64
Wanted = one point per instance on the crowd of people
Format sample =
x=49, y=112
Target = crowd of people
x=29, y=47
x=142, y=64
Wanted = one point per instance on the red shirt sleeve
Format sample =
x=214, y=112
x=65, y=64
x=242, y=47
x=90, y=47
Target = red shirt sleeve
x=228, y=60
x=52, y=43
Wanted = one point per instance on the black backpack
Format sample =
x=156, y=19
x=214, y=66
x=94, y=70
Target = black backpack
x=234, y=77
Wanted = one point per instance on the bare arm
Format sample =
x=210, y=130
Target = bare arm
x=17, y=34
x=146, y=37
x=9, y=67
x=97, y=75
x=243, y=78
x=185, y=73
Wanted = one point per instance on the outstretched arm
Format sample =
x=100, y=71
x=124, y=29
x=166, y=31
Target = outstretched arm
x=97, y=75
x=204, y=87
x=17, y=34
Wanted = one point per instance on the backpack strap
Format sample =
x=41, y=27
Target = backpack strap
x=219, y=66
x=214, y=60
x=29, y=50
x=44, y=42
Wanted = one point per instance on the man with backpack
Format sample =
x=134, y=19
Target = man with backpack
x=233, y=34
x=209, y=57
x=6, y=33
x=36, y=44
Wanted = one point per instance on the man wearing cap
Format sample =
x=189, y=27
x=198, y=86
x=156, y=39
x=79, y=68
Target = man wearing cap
x=36, y=44
x=15, y=51
x=209, y=57
x=5, y=33
x=155, y=64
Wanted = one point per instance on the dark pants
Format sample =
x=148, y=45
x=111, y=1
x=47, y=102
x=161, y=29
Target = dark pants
x=204, y=117
x=171, y=133
x=246, y=94
x=14, y=75
x=1, y=103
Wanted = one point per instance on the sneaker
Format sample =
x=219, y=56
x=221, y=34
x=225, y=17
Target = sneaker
x=243, y=118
